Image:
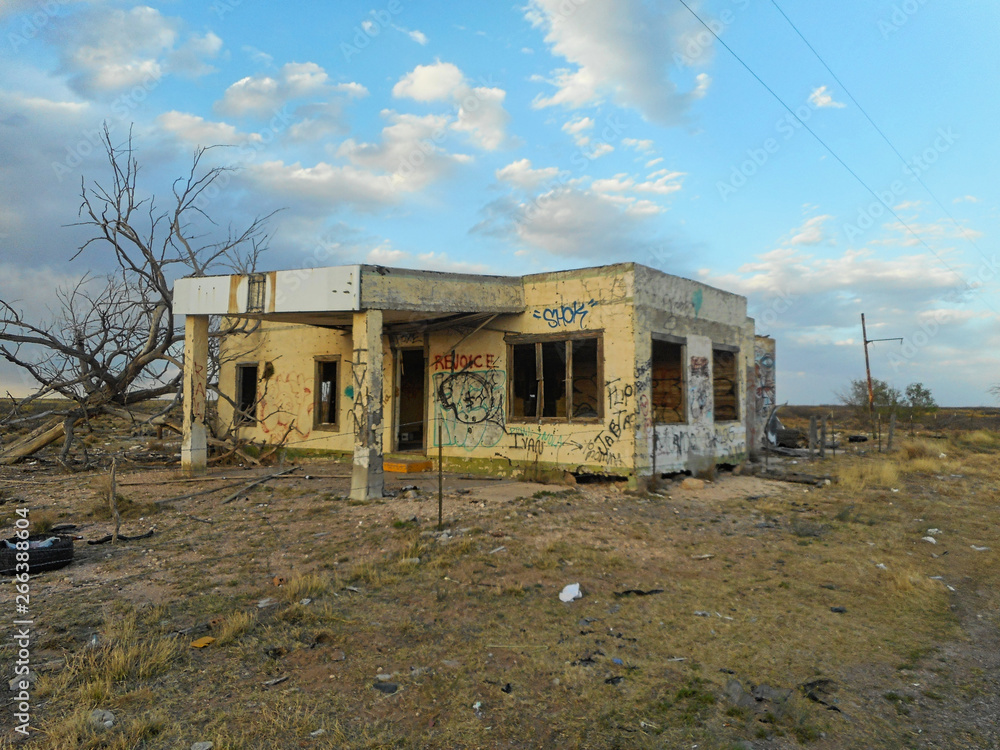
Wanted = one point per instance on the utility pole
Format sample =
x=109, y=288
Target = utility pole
x=868, y=370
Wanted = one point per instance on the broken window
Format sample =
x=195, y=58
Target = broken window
x=555, y=378
x=325, y=409
x=246, y=394
x=725, y=384
x=667, y=387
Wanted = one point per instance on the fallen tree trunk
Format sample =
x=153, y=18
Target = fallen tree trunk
x=34, y=441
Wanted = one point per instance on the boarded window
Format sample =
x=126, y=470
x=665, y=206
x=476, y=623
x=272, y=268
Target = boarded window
x=255, y=293
x=555, y=379
x=246, y=394
x=325, y=409
x=725, y=385
x=667, y=385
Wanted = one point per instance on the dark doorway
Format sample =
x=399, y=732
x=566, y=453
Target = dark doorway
x=412, y=400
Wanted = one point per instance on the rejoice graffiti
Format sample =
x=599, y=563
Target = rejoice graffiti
x=464, y=361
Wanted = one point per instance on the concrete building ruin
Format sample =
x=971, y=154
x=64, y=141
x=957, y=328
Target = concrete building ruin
x=620, y=370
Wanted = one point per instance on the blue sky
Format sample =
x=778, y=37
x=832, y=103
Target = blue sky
x=552, y=134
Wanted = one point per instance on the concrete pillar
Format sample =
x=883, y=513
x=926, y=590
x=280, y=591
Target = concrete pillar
x=194, y=449
x=367, y=478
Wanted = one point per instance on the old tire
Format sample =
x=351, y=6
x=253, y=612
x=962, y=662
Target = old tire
x=41, y=559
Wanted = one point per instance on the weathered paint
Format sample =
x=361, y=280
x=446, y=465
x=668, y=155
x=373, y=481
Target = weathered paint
x=194, y=449
x=367, y=478
x=468, y=389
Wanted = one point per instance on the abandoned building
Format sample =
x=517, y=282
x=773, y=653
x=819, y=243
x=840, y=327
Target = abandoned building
x=620, y=370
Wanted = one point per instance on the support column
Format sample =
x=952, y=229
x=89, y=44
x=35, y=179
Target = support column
x=194, y=449
x=367, y=478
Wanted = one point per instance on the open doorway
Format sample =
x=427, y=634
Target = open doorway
x=412, y=369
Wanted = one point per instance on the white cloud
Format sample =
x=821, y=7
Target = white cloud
x=109, y=49
x=820, y=98
x=264, y=95
x=480, y=110
x=418, y=36
x=966, y=199
x=202, y=132
x=810, y=233
x=430, y=83
x=654, y=162
x=643, y=146
x=522, y=175
x=624, y=49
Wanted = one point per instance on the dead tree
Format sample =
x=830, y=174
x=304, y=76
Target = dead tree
x=114, y=342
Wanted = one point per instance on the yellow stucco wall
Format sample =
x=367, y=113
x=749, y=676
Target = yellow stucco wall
x=467, y=385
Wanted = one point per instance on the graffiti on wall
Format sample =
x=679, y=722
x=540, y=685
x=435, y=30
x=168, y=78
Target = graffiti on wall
x=675, y=444
x=536, y=441
x=464, y=362
x=566, y=314
x=764, y=383
x=700, y=388
x=282, y=398
x=621, y=415
x=470, y=405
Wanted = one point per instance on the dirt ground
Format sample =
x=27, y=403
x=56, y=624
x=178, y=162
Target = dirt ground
x=750, y=613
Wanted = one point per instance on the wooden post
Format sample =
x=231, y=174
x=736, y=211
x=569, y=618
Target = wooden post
x=812, y=435
x=833, y=433
x=655, y=479
x=822, y=437
x=113, y=500
x=440, y=477
x=892, y=430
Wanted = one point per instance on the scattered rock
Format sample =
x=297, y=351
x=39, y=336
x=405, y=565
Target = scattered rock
x=820, y=691
x=930, y=539
x=738, y=696
x=570, y=593
x=768, y=693
x=707, y=556
x=317, y=733
x=507, y=688
x=382, y=677
x=690, y=483
x=337, y=655
x=268, y=602
x=700, y=613
x=15, y=684
x=276, y=681
x=305, y=602
x=410, y=561
x=613, y=680
x=838, y=610
x=386, y=687
x=979, y=549
x=202, y=746
x=101, y=718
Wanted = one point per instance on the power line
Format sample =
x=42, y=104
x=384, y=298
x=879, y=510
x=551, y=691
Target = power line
x=827, y=147
x=878, y=130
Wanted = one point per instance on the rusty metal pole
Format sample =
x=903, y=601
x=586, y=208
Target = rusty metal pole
x=868, y=371
x=440, y=477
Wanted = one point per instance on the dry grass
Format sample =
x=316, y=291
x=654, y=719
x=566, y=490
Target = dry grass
x=862, y=474
x=479, y=613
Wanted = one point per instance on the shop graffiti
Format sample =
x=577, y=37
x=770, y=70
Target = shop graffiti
x=470, y=405
x=464, y=362
x=564, y=315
